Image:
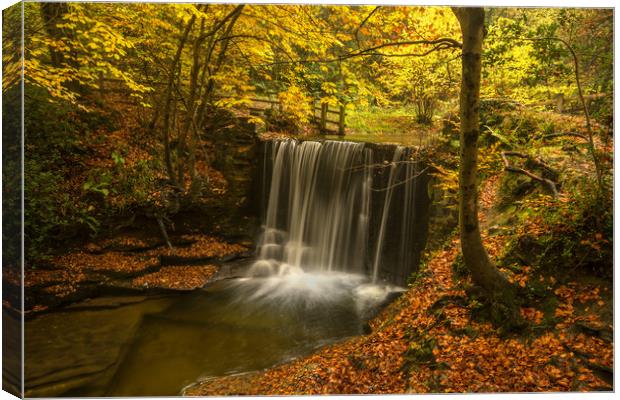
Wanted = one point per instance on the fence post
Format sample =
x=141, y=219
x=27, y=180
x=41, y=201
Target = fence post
x=312, y=111
x=341, y=121
x=324, y=109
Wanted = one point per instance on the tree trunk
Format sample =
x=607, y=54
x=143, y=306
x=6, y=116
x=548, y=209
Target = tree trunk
x=483, y=271
x=182, y=148
x=53, y=14
x=168, y=99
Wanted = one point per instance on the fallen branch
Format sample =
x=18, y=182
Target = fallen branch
x=385, y=164
x=162, y=228
x=560, y=134
x=126, y=224
x=508, y=167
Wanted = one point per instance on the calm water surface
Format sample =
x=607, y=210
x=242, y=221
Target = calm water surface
x=137, y=346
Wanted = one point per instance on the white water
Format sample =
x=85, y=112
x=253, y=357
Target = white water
x=386, y=210
x=315, y=241
x=318, y=209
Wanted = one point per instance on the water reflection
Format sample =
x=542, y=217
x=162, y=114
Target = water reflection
x=158, y=346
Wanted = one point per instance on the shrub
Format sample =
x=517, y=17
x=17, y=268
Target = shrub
x=294, y=111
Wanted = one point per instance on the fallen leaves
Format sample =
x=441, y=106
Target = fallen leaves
x=531, y=314
x=125, y=260
x=177, y=277
x=465, y=355
x=202, y=247
x=109, y=262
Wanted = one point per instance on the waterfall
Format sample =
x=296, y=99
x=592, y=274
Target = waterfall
x=389, y=190
x=337, y=206
x=317, y=212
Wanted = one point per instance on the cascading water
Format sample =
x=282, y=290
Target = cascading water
x=389, y=191
x=317, y=213
x=337, y=208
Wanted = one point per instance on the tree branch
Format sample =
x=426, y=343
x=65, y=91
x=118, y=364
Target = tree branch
x=548, y=182
x=361, y=25
x=401, y=182
x=597, y=166
x=440, y=44
x=560, y=134
x=220, y=24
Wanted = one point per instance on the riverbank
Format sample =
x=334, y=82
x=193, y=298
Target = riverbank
x=439, y=338
x=126, y=264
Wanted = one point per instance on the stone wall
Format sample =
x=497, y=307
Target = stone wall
x=234, y=148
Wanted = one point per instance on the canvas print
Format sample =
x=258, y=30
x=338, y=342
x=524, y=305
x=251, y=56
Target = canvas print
x=306, y=199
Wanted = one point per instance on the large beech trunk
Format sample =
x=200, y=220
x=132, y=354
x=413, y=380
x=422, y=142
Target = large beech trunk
x=483, y=271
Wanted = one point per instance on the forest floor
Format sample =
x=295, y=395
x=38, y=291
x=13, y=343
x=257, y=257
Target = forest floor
x=126, y=263
x=435, y=339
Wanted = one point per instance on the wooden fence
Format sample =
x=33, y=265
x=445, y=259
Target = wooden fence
x=329, y=121
x=320, y=114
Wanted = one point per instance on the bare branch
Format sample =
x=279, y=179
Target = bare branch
x=548, y=182
x=597, y=165
x=560, y=134
x=385, y=164
x=361, y=25
x=440, y=44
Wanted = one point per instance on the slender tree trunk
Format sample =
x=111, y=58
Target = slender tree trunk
x=211, y=72
x=53, y=14
x=168, y=98
x=182, y=147
x=483, y=271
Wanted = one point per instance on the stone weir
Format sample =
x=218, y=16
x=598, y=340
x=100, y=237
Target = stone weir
x=342, y=206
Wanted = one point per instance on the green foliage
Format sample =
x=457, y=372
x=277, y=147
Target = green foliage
x=278, y=121
x=54, y=210
x=375, y=121
x=584, y=234
x=98, y=182
x=522, y=62
x=415, y=278
x=576, y=232
x=51, y=214
x=118, y=159
x=134, y=186
x=11, y=178
x=46, y=208
x=421, y=350
x=459, y=268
